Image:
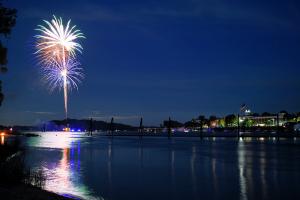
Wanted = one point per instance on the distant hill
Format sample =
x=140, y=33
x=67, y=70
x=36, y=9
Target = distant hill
x=173, y=123
x=84, y=124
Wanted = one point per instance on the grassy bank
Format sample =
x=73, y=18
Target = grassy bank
x=17, y=182
x=27, y=192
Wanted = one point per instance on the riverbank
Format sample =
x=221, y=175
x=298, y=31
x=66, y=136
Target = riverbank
x=203, y=134
x=16, y=178
x=27, y=192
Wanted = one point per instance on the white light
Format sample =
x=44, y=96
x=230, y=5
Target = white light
x=64, y=72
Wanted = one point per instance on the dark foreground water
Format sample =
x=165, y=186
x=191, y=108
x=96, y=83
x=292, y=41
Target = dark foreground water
x=159, y=168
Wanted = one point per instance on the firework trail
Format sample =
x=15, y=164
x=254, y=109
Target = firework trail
x=56, y=49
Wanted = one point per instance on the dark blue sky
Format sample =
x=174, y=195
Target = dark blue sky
x=161, y=58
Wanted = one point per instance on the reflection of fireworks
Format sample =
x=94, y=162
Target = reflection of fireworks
x=56, y=51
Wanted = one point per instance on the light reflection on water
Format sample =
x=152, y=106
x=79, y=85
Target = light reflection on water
x=63, y=176
x=2, y=140
x=57, y=140
x=241, y=161
x=158, y=168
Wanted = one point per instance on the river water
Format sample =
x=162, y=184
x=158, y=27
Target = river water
x=159, y=168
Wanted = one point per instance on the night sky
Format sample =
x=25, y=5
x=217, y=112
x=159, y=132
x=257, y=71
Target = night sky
x=160, y=58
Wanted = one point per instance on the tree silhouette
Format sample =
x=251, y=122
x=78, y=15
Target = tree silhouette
x=202, y=121
x=192, y=123
x=266, y=114
x=7, y=22
x=231, y=120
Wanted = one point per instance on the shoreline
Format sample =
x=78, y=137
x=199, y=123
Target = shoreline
x=199, y=134
x=28, y=192
x=231, y=134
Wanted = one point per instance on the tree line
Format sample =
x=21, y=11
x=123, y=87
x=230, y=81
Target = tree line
x=232, y=120
x=7, y=22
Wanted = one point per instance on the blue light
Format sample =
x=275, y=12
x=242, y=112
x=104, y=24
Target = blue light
x=79, y=130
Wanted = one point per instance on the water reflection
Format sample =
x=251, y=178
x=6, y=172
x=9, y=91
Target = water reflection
x=56, y=140
x=173, y=175
x=193, y=171
x=262, y=164
x=63, y=177
x=141, y=154
x=158, y=168
x=2, y=140
x=109, y=167
x=242, y=166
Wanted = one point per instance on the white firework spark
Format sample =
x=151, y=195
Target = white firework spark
x=56, y=49
x=54, y=76
x=59, y=37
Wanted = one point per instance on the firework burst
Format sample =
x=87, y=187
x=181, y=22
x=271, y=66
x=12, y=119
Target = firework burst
x=56, y=49
x=54, y=76
x=56, y=36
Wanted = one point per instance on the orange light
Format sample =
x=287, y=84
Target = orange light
x=3, y=133
x=2, y=139
x=66, y=129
